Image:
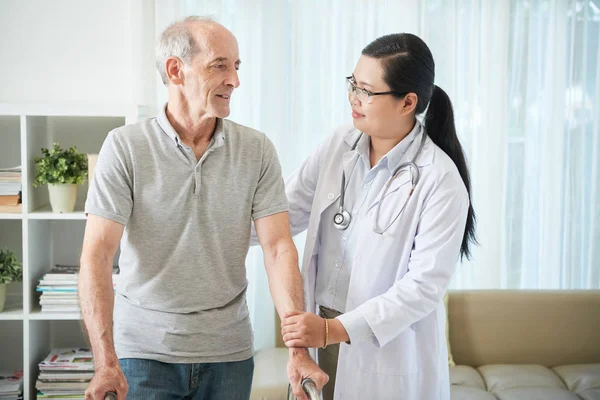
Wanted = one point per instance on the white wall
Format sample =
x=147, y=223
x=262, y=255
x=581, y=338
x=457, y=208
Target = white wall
x=72, y=51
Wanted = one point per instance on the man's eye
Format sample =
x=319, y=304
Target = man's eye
x=220, y=66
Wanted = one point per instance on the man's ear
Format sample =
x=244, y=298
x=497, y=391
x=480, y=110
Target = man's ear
x=174, y=70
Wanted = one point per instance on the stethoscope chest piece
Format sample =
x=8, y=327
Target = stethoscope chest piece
x=341, y=220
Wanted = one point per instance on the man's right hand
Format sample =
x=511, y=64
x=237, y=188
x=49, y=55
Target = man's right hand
x=301, y=366
x=107, y=379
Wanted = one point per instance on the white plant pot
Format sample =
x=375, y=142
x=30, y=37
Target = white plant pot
x=62, y=197
x=2, y=296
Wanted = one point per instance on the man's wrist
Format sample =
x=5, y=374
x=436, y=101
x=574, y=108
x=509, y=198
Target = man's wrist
x=107, y=360
x=298, y=352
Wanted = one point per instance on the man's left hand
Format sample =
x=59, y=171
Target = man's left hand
x=301, y=366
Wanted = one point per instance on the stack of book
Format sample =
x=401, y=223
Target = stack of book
x=10, y=190
x=59, y=289
x=65, y=374
x=11, y=385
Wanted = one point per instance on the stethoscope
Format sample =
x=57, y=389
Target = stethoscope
x=342, y=219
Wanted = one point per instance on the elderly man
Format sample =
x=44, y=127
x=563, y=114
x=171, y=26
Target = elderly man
x=179, y=192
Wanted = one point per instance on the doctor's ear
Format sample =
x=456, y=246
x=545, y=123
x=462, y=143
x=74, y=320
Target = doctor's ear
x=409, y=103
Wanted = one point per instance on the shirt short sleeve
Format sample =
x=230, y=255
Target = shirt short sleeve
x=110, y=194
x=269, y=197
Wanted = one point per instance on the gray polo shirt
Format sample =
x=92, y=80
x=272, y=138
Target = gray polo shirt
x=181, y=294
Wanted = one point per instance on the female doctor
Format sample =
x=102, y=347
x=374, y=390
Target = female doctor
x=387, y=206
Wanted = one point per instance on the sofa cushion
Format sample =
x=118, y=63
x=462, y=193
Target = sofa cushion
x=463, y=375
x=469, y=393
x=580, y=378
x=593, y=394
x=535, y=393
x=503, y=377
x=503, y=382
x=451, y=362
x=270, y=377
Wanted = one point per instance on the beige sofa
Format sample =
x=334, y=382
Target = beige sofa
x=507, y=345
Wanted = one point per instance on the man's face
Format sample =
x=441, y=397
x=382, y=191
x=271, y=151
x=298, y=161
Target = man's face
x=212, y=75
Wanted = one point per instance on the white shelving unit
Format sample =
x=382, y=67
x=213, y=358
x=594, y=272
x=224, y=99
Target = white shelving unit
x=39, y=237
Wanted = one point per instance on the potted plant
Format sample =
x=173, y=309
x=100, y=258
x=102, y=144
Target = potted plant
x=62, y=170
x=10, y=271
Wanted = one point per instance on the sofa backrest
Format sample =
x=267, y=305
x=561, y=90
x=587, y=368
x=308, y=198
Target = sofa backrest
x=543, y=327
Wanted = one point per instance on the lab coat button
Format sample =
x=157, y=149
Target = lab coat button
x=330, y=196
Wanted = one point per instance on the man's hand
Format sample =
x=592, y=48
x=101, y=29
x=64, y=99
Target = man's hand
x=301, y=366
x=107, y=379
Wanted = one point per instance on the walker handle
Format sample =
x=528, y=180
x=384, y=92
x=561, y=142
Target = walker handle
x=308, y=385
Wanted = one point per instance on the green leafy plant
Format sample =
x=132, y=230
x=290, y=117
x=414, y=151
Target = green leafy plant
x=58, y=166
x=10, y=268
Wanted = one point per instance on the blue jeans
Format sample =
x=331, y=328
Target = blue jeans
x=155, y=380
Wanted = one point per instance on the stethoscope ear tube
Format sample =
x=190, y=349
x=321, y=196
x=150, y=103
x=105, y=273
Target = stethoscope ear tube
x=342, y=219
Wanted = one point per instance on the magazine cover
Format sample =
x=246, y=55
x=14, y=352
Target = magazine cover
x=80, y=359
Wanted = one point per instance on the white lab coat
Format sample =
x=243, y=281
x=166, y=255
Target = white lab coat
x=399, y=278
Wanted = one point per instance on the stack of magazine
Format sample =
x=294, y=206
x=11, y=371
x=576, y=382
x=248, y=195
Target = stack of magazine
x=11, y=385
x=59, y=289
x=65, y=374
x=10, y=190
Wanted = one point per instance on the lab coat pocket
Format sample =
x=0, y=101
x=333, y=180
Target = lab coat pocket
x=398, y=357
x=381, y=256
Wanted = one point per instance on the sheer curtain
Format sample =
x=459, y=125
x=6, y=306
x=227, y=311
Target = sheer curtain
x=524, y=77
x=552, y=204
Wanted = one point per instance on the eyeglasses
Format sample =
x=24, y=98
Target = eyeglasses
x=365, y=95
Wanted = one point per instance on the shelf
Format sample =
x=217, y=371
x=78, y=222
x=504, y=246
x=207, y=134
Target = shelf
x=40, y=237
x=45, y=212
x=37, y=314
x=12, y=313
x=11, y=215
x=73, y=109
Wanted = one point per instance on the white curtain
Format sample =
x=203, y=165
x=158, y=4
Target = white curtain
x=552, y=203
x=524, y=77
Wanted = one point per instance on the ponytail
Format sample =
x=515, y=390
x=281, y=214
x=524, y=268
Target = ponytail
x=439, y=122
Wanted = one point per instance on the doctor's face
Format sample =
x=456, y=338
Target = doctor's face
x=373, y=113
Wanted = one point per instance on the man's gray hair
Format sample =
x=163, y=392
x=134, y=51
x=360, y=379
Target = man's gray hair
x=177, y=41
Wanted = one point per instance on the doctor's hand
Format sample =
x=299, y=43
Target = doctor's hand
x=300, y=366
x=303, y=329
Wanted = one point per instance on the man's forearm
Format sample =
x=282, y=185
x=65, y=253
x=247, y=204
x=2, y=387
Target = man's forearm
x=285, y=281
x=96, y=299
